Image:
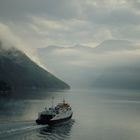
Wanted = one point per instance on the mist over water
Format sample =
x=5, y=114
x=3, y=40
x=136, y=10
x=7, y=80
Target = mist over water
x=98, y=114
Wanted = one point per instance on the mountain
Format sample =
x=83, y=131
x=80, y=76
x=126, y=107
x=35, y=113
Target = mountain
x=18, y=71
x=111, y=64
x=120, y=77
x=61, y=61
x=123, y=72
x=115, y=45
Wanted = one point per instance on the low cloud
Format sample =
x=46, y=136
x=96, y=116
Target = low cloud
x=10, y=40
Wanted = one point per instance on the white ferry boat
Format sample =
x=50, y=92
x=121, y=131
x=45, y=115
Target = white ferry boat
x=59, y=113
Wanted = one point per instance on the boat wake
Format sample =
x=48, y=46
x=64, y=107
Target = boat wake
x=58, y=132
x=9, y=129
x=30, y=130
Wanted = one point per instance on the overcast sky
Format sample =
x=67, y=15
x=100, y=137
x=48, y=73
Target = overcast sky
x=39, y=23
x=32, y=24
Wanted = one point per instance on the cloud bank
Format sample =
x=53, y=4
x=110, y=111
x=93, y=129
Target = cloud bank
x=66, y=23
x=10, y=40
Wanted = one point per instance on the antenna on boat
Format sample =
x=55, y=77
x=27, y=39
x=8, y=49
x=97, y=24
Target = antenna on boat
x=52, y=101
x=63, y=100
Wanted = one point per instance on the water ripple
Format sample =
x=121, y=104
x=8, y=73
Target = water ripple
x=58, y=132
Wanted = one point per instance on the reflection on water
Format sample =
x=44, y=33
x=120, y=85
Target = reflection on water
x=99, y=115
x=58, y=132
x=30, y=94
x=25, y=105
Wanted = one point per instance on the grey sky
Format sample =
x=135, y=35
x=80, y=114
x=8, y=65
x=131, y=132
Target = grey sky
x=112, y=26
x=40, y=23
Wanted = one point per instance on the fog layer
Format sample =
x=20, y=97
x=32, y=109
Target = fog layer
x=112, y=64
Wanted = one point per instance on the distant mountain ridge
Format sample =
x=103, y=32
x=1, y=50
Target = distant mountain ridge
x=18, y=71
x=111, y=64
x=107, y=45
x=115, y=45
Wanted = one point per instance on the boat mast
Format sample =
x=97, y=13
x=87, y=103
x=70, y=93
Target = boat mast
x=52, y=101
x=63, y=100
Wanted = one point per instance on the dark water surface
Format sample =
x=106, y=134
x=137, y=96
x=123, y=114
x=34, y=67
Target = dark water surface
x=98, y=115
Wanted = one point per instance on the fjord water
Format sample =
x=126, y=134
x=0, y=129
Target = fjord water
x=98, y=115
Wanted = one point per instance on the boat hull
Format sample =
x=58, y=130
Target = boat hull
x=52, y=122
